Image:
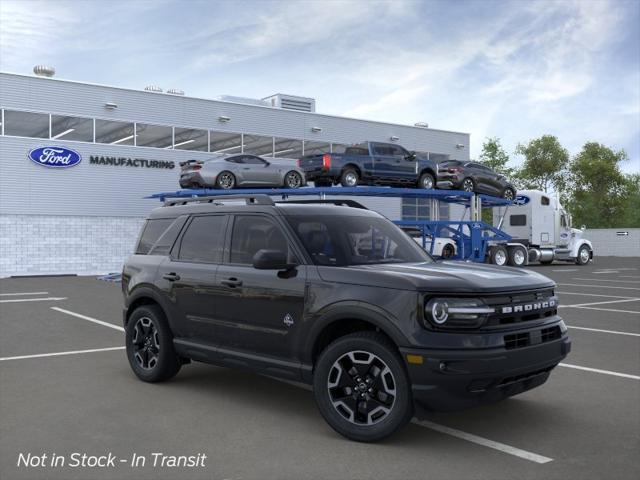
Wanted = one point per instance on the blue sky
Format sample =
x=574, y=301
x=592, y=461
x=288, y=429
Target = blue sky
x=511, y=69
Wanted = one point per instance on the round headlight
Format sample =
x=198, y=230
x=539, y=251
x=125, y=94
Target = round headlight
x=439, y=312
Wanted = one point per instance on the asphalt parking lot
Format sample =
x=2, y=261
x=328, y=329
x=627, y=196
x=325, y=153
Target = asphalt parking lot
x=583, y=423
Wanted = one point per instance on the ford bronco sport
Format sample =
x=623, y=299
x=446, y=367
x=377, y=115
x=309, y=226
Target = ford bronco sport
x=339, y=298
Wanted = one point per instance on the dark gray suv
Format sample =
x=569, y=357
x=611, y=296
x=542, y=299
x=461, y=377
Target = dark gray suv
x=339, y=298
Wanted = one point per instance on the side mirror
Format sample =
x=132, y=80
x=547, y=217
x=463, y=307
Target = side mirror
x=271, y=260
x=412, y=156
x=583, y=227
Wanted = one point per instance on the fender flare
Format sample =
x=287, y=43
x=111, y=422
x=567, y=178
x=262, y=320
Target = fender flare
x=144, y=291
x=580, y=243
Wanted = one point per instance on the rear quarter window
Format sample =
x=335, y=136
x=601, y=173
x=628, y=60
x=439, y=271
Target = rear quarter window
x=151, y=232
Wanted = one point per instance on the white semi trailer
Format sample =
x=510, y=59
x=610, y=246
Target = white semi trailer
x=541, y=231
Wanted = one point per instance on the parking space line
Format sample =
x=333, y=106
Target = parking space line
x=567, y=270
x=89, y=319
x=605, y=331
x=611, y=310
x=597, y=286
x=485, y=442
x=608, y=280
x=47, y=299
x=591, y=295
x=597, y=370
x=605, y=272
x=629, y=276
x=23, y=293
x=599, y=303
x=56, y=354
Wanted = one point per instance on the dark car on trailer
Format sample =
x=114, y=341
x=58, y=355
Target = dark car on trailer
x=474, y=177
x=371, y=163
x=339, y=298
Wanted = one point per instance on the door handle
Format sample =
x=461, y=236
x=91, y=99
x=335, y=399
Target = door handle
x=231, y=282
x=172, y=277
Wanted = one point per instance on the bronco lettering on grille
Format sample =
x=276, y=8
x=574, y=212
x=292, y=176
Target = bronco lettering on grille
x=529, y=307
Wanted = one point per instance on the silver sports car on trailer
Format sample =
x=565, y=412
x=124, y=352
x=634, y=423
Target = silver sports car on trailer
x=242, y=170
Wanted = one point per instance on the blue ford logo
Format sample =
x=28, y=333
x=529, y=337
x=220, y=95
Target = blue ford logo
x=55, y=157
x=521, y=200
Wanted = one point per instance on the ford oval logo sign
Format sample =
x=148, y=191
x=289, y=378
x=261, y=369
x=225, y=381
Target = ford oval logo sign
x=55, y=157
x=521, y=200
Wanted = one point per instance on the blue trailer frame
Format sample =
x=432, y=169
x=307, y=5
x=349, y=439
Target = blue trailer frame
x=472, y=237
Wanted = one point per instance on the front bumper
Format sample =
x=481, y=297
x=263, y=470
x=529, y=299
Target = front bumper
x=449, y=380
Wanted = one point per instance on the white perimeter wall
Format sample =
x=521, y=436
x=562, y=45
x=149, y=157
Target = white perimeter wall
x=607, y=242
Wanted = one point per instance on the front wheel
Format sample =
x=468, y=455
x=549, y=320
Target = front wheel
x=426, y=181
x=293, y=179
x=508, y=194
x=361, y=387
x=149, y=345
x=584, y=255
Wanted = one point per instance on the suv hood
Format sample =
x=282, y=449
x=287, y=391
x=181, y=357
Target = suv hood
x=448, y=276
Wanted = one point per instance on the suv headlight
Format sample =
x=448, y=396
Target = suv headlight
x=456, y=312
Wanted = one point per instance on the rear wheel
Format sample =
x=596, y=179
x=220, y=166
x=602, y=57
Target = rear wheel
x=499, y=255
x=149, y=344
x=361, y=387
x=517, y=256
x=468, y=185
x=426, y=181
x=226, y=180
x=448, y=251
x=293, y=179
x=349, y=178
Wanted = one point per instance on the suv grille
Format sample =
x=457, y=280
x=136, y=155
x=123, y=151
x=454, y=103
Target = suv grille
x=520, y=340
x=521, y=307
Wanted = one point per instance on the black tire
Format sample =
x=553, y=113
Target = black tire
x=584, y=255
x=226, y=180
x=499, y=255
x=517, y=256
x=448, y=251
x=468, y=185
x=509, y=194
x=160, y=343
x=293, y=180
x=427, y=181
x=368, y=379
x=348, y=176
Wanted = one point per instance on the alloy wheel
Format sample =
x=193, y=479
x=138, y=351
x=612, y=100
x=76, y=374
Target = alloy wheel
x=508, y=194
x=584, y=255
x=293, y=180
x=351, y=179
x=427, y=182
x=362, y=388
x=226, y=181
x=146, y=343
x=467, y=185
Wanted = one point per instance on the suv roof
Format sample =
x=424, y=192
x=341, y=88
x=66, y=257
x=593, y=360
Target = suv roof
x=176, y=207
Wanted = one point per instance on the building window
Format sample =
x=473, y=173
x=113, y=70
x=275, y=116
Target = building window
x=26, y=124
x=157, y=136
x=227, y=143
x=115, y=133
x=71, y=128
x=316, y=148
x=258, y=145
x=419, y=209
x=287, y=148
x=191, y=139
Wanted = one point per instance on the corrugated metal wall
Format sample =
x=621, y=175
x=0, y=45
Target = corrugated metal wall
x=615, y=242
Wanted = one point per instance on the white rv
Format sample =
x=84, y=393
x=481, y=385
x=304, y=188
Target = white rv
x=541, y=231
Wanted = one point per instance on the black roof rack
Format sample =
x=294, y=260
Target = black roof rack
x=219, y=199
x=339, y=202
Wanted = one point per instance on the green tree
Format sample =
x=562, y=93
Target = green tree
x=630, y=216
x=599, y=193
x=545, y=164
x=495, y=157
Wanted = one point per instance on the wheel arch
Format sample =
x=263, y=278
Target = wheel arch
x=354, y=166
x=142, y=296
x=428, y=170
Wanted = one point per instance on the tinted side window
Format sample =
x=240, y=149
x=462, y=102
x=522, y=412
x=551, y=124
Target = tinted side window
x=168, y=238
x=239, y=159
x=151, y=233
x=518, y=220
x=544, y=201
x=252, y=233
x=203, y=240
x=253, y=160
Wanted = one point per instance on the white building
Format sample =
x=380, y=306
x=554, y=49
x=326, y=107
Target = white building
x=85, y=219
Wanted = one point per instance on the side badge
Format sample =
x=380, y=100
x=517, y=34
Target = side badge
x=288, y=320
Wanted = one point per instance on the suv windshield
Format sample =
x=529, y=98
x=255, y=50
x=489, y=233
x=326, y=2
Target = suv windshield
x=342, y=241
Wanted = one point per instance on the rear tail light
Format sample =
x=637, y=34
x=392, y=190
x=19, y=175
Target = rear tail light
x=455, y=170
x=326, y=161
x=299, y=162
x=196, y=167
